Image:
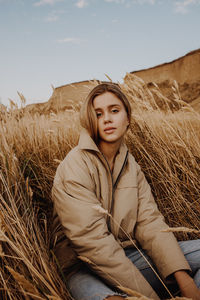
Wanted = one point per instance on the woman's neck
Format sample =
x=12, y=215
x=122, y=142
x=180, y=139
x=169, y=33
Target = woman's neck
x=109, y=150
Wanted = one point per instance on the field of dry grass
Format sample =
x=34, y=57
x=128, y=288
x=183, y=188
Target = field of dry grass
x=164, y=137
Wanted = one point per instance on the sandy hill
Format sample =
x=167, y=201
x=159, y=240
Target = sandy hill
x=69, y=95
x=64, y=97
x=185, y=70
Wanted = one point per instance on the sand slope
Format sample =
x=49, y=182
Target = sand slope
x=185, y=70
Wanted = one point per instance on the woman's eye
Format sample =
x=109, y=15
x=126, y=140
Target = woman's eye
x=115, y=110
x=98, y=114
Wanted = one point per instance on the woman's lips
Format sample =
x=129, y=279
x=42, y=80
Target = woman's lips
x=109, y=129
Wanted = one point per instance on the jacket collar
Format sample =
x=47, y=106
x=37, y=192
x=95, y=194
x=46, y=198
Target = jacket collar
x=87, y=143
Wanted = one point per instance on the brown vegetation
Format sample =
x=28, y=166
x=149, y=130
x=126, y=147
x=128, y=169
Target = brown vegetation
x=164, y=137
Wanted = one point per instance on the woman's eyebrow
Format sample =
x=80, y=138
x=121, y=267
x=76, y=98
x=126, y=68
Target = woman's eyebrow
x=114, y=105
x=109, y=106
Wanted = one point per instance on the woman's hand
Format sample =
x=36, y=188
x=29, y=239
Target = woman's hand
x=187, y=285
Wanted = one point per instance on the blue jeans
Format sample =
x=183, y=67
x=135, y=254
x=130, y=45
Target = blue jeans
x=85, y=285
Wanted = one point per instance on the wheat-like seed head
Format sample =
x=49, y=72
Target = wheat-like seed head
x=180, y=229
x=85, y=259
x=100, y=209
x=24, y=283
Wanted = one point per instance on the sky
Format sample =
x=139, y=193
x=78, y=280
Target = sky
x=50, y=43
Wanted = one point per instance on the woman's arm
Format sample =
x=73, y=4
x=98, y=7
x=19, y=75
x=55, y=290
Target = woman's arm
x=162, y=247
x=187, y=285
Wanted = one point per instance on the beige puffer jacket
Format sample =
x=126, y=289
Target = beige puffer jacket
x=83, y=180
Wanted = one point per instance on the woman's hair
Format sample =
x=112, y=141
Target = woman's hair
x=88, y=118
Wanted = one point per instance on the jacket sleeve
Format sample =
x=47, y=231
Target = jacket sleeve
x=162, y=247
x=74, y=198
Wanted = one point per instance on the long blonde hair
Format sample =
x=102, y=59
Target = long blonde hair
x=88, y=118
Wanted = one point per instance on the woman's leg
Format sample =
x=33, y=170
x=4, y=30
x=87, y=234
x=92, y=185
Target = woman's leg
x=144, y=267
x=85, y=285
x=191, y=250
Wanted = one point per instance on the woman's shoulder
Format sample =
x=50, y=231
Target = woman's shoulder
x=135, y=166
x=75, y=161
x=73, y=154
x=74, y=168
x=131, y=159
x=73, y=157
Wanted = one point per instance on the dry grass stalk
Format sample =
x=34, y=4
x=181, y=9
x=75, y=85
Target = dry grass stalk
x=101, y=210
x=58, y=161
x=53, y=297
x=137, y=298
x=1, y=251
x=2, y=231
x=182, y=298
x=180, y=229
x=86, y=260
x=24, y=247
x=2, y=237
x=26, y=285
x=133, y=293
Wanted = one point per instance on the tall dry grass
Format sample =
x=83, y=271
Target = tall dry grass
x=164, y=137
x=31, y=149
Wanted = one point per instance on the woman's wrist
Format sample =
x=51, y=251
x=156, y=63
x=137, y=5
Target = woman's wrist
x=187, y=285
x=182, y=277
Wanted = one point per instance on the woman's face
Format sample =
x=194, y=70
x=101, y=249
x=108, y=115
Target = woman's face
x=112, y=119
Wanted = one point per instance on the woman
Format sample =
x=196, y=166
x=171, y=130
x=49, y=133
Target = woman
x=101, y=173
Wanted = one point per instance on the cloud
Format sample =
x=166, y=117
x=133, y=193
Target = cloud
x=51, y=18
x=152, y=2
x=54, y=16
x=115, y=1
x=21, y=2
x=70, y=40
x=46, y=2
x=133, y=1
x=182, y=7
x=81, y=3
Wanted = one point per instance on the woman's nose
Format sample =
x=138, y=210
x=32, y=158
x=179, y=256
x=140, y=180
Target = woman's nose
x=107, y=117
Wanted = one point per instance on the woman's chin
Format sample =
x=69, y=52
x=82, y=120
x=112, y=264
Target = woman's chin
x=111, y=139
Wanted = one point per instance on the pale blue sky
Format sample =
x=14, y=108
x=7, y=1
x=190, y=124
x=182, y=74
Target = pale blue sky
x=56, y=42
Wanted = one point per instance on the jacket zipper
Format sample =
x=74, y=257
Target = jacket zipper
x=109, y=209
x=114, y=185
